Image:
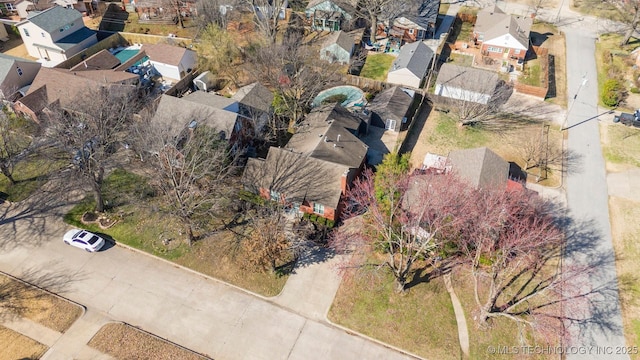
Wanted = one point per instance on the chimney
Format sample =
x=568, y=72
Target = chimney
x=343, y=182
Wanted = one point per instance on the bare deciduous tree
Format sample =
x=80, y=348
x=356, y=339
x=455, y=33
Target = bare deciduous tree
x=626, y=11
x=13, y=147
x=375, y=11
x=293, y=71
x=91, y=132
x=192, y=170
x=219, y=53
x=411, y=221
x=267, y=16
x=267, y=245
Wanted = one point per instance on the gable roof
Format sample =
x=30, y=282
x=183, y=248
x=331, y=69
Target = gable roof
x=53, y=18
x=102, y=60
x=341, y=38
x=165, y=53
x=176, y=113
x=64, y=86
x=480, y=167
x=414, y=57
x=256, y=96
x=296, y=176
x=468, y=78
x=500, y=28
x=7, y=63
x=425, y=15
x=347, y=6
x=392, y=103
x=339, y=127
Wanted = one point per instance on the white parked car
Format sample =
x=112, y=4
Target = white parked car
x=83, y=239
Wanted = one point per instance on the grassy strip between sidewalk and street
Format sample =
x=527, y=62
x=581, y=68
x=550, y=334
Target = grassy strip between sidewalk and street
x=17, y=346
x=124, y=342
x=37, y=305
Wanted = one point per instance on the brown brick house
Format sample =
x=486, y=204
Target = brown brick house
x=502, y=35
x=312, y=172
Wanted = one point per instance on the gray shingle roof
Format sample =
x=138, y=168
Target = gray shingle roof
x=415, y=57
x=296, y=176
x=392, y=103
x=493, y=23
x=340, y=38
x=339, y=127
x=480, y=167
x=256, y=96
x=468, y=78
x=55, y=18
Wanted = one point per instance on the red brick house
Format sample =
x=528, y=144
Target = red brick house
x=502, y=35
x=312, y=172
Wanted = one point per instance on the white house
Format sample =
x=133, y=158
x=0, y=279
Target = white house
x=55, y=34
x=172, y=62
x=466, y=83
x=411, y=65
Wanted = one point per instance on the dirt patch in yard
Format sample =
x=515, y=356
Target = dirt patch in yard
x=17, y=346
x=125, y=342
x=20, y=299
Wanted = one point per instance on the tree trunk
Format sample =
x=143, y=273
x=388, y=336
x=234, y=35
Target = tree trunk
x=273, y=266
x=399, y=286
x=189, y=230
x=7, y=173
x=632, y=29
x=374, y=28
x=97, y=189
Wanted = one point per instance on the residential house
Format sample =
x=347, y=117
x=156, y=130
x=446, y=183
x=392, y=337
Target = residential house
x=8, y=7
x=55, y=34
x=72, y=4
x=200, y=108
x=266, y=9
x=480, y=167
x=15, y=74
x=172, y=62
x=102, y=60
x=62, y=87
x=502, y=35
x=466, y=83
x=414, y=25
x=329, y=15
x=392, y=109
x=255, y=101
x=312, y=172
x=411, y=65
x=23, y=8
x=337, y=47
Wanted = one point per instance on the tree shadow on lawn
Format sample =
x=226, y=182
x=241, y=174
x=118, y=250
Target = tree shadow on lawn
x=427, y=273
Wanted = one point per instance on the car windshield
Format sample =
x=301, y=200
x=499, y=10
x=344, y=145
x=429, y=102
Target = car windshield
x=81, y=235
x=93, y=239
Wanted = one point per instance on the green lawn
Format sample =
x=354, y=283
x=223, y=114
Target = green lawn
x=532, y=74
x=141, y=225
x=29, y=174
x=377, y=66
x=623, y=145
x=612, y=60
x=421, y=321
x=462, y=60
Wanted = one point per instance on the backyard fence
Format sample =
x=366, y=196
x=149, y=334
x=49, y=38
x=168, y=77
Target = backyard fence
x=542, y=90
x=366, y=83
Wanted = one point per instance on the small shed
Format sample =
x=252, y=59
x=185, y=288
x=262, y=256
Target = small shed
x=337, y=47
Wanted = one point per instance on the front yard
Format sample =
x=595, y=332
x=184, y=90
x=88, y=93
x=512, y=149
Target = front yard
x=614, y=62
x=142, y=225
x=377, y=66
x=441, y=134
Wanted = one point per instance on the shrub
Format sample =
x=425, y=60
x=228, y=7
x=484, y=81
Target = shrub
x=611, y=92
x=330, y=223
x=635, y=90
x=321, y=220
x=313, y=218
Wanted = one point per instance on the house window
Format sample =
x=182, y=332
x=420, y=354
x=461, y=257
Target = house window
x=494, y=49
x=275, y=196
x=318, y=208
x=19, y=71
x=26, y=32
x=9, y=7
x=411, y=31
x=420, y=34
x=42, y=34
x=516, y=51
x=390, y=124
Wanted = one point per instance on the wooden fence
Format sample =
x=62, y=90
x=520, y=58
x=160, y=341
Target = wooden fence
x=538, y=91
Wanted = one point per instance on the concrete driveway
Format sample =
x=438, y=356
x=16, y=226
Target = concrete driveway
x=196, y=312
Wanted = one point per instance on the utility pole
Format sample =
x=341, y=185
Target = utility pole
x=573, y=101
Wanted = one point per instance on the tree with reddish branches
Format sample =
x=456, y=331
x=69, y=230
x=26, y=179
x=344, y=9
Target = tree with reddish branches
x=409, y=219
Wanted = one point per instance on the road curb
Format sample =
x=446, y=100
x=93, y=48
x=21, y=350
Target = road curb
x=182, y=267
